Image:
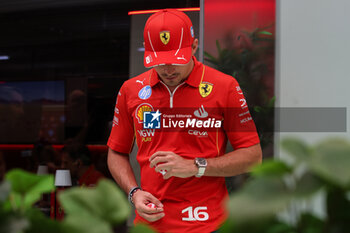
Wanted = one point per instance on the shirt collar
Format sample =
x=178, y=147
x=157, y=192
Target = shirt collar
x=194, y=79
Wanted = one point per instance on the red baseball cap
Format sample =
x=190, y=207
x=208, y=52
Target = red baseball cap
x=168, y=37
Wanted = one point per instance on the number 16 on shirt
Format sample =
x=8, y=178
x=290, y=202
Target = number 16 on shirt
x=196, y=214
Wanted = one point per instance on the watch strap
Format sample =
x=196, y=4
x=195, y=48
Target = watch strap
x=201, y=171
x=201, y=166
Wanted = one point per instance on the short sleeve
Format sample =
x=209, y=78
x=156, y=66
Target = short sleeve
x=122, y=134
x=238, y=123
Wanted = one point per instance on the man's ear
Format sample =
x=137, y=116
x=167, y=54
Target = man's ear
x=143, y=44
x=194, y=46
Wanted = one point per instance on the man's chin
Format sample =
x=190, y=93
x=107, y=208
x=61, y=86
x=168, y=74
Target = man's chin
x=172, y=82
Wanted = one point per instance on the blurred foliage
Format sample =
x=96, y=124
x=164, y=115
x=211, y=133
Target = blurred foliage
x=276, y=186
x=273, y=187
x=249, y=57
x=89, y=210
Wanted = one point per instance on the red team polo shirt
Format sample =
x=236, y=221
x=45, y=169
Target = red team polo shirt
x=194, y=121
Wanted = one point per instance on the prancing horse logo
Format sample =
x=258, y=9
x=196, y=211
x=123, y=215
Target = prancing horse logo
x=164, y=37
x=205, y=89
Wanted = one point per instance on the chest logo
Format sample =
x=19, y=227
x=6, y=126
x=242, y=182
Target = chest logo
x=164, y=37
x=201, y=113
x=205, y=89
x=141, y=109
x=145, y=92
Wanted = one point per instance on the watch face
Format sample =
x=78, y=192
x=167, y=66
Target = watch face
x=201, y=162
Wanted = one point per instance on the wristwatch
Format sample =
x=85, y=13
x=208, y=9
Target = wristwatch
x=201, y=163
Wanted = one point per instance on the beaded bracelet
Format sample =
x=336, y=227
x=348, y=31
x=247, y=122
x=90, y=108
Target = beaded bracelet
x=131, y=194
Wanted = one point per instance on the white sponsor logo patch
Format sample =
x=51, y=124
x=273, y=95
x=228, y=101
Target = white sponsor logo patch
x=245, y=120
x=243, y=103
x=148, y=59
x=139, y=81
x=201, y=113
x=146, y=132
x=145, y=92
x=115, y=121
x=181, y=58
x=239, y=90
x=198, y=133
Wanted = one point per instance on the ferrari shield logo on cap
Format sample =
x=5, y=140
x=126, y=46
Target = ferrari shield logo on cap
x=164, y=37
x=205, y=89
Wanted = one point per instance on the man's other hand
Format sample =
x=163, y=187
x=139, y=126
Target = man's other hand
x=141, y=200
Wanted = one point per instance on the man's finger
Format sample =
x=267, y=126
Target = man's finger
x=157, y=160
x=167, y=175
x=151, y=210
x=159, y=153
x=154, y=200
x=152, y=217
x=162, y=167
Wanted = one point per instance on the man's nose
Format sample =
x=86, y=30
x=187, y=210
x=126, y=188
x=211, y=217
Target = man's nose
x=169, y=69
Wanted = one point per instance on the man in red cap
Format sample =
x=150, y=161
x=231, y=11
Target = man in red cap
x=182, y=114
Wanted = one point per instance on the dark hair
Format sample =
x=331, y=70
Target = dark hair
x=78, y=151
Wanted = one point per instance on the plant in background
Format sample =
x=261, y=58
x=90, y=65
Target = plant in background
x=89, y=210
x=277, y=186
x=19, y=192
x=249, y=57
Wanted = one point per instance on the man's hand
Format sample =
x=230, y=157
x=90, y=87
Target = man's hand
x=173, y=164
x=141, y=199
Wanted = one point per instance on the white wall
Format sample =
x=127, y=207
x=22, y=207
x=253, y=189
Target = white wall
x=312, y=58
x=312, y=65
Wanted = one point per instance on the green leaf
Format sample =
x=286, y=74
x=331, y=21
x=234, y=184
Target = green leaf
x=11, y=223
x=5, y=188
x=211, y=57
x=218, y=47
x=280, y=228
x=307, y=185
x=227, y=227
x=271, y=168
x=22, y=182
x=331, y=161
x=105, y=202
x=265, y=33
x=29, y=186
x=296, y=148
x=271, y=102
x=39, y=223
x=141, y=228
x=261, y=197
x=257, y=108
x=85, y=224
x=13, y=202
x=311, y=224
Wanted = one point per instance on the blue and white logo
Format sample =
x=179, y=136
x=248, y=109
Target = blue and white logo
x=145, y=92
x=192, y=32
x=151, y=120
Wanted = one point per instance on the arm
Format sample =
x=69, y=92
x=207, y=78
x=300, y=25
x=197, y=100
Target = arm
x=121, y=170
x=235, y=162
x=230, y=164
